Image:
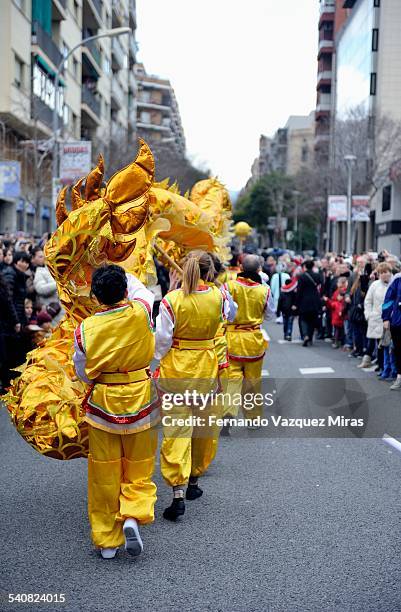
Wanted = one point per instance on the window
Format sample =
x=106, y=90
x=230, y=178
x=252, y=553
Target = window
x=305, y=153
x=386, y=199
x=376, y=2
x=66, y=114
x=18, y=73
x=375, y=39
x=75, y=68
x=65, y=51
x=373, y=83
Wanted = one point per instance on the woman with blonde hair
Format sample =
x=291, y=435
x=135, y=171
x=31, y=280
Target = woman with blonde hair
x=186, y=326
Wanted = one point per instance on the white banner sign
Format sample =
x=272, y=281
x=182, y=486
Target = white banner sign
x=75, y=160
x=360, y=208
x=337, y=208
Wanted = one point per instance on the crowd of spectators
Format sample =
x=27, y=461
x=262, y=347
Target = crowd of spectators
x=352, y=302
x=29, y=304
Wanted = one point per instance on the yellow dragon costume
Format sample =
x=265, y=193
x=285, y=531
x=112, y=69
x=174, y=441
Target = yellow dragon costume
x=119, y=223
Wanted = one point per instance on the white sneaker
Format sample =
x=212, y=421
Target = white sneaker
x=279, y=320
x=366, y=362
x=396, y=384
x=133, y=541
x=108, y=553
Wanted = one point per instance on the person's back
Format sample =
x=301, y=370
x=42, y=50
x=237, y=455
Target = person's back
x=113, y=350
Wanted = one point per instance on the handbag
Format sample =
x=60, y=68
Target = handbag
x=385, y=340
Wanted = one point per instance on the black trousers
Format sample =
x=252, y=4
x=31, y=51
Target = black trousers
x=396, y=337
x=308, y=322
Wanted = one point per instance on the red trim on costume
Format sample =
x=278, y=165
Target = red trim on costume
x=248, y=359
x=123, y=420
x=246, y=282
x=148, y=308
x=222, y=366
x=78, y=338
x=169, y=309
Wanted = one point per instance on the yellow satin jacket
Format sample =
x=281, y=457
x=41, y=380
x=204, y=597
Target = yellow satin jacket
x=118, y=344
x=244, y=336
x=197, y=318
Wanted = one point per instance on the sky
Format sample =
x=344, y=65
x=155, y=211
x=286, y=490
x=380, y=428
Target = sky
x=239, y=69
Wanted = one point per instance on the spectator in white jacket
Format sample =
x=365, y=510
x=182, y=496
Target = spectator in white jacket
x=45, y=286
x=373, y=312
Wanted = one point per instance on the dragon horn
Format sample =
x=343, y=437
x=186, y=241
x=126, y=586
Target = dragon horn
x=76, y=198
x=61, y=209
x=94, y=181
x=134, y=180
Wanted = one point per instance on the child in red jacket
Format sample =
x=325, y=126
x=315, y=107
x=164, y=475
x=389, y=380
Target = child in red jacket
x=338, y=309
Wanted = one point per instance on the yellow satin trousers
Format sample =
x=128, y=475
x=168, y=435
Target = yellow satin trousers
x=244, y=379
x=120, y=469
x=187, y=450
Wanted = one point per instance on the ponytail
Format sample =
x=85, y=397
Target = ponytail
x=197, y=265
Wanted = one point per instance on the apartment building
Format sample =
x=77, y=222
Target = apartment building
x=97, y=92
x=332, y=18
x=368, y=78
x=291, y=148
x=158, y=115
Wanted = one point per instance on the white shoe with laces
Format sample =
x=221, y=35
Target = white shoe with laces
x=133, y=540
x=108, y=553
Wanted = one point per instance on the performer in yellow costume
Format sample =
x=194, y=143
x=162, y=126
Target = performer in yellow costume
x=247, y=341
x=113, y=350
x=187, y=324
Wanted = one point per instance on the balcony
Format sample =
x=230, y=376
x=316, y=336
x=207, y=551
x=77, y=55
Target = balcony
x=323, y=103
x=326, y=46
x=59, y=10
x=117, y=55
x=91, y=59
x=327, y=11
x=117, y=95
x=42, y=113
x=46, y=44
x=148, y=105
x=324, y=78
x=90, y=107
x=92, y=14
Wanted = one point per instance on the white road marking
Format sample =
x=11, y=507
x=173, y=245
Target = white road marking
x=282, y=341
x=265, y=373
x=392, y=442
x=316, y=370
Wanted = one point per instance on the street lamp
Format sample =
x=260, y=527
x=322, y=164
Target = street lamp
x=296, y=194
x=104, y=34
x=349, y=160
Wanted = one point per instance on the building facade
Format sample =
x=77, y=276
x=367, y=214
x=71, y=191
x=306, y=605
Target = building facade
x=97, y=91
x=368, y=78
x=332, y=17
x=158, y=115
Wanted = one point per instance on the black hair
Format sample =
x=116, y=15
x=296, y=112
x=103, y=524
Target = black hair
x=309, y=264
x=21, y=256
x=218, y=266
x=109, y=284
x=35, y=250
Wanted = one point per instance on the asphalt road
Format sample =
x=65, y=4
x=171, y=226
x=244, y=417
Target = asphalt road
x=285, y=523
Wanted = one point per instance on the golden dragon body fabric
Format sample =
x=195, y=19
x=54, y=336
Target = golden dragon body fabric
x=118, y=223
